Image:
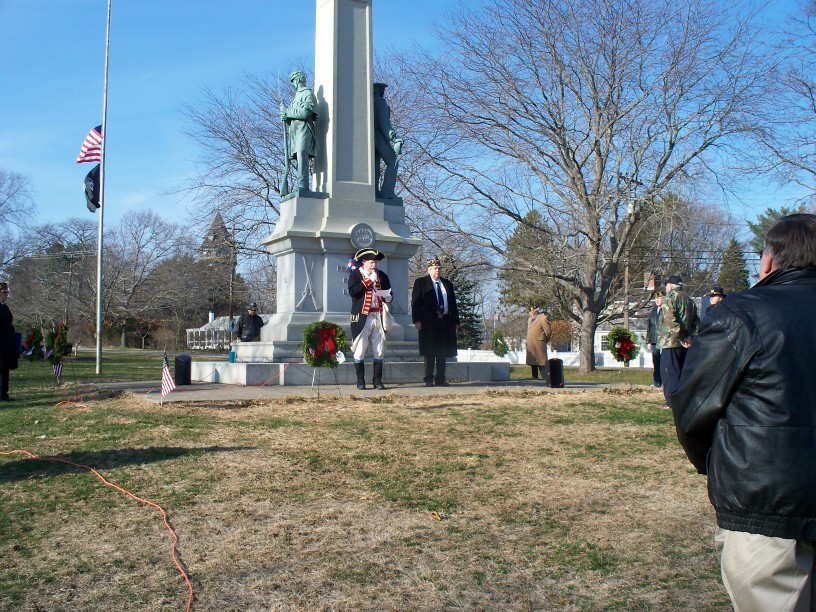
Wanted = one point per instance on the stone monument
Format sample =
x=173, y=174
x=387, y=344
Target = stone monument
x=320, y=228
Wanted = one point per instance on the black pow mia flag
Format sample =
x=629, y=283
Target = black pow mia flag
x=92, y=189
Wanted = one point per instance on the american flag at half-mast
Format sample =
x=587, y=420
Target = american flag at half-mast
x=168, y=384
x=91, y=151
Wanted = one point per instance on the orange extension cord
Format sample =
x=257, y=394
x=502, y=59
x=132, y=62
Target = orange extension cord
x=129, y=494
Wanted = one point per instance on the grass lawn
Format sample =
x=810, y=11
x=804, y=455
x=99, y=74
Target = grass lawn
x=520, y=500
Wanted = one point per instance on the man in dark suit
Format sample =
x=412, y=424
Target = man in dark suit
x=434, y=312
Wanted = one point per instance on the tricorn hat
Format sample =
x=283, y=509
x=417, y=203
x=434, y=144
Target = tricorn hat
x=716, y=290
x=364, y=254
x=674, y=280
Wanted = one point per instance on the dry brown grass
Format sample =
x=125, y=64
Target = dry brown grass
x=548, y=500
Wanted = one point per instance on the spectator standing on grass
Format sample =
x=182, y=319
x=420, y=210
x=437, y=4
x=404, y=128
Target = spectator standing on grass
x=652, y=325
x=539, y=333
x=9, y=351
x=745, y=413
x=678, y=322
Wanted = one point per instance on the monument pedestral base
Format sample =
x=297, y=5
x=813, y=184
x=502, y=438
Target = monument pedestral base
x=302, y=374
x=292, y=352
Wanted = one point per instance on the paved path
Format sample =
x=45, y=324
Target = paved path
x=208, y=392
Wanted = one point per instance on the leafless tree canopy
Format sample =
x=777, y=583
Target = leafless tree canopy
x=585, y=112
x=791, y=137
x=15, y=207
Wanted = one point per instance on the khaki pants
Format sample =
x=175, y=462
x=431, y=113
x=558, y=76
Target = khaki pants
x=763, y=574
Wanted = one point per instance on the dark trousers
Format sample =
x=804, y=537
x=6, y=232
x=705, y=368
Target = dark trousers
x=4, y=382
x=429, y=369
x=656, y=376
x=671, y=364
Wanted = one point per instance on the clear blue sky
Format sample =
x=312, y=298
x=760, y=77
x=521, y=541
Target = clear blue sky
x=162, y=54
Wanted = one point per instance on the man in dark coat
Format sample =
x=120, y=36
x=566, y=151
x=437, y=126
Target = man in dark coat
x=652, y=325
x=9, y=351
x=745, y=413
x=250, y=324
x=435, y=315
x=369, y=288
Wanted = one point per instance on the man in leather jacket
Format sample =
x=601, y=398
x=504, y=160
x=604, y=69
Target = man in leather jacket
x=745, y=413
x=250, y=324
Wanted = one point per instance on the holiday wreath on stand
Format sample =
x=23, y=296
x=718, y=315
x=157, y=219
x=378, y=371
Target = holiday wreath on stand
x=323, y=341
x=33, y=344
x=623, y=344
x=323, y=346
x=498, y=344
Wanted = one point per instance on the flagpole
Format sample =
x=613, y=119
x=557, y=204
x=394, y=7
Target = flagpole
x=102, y=199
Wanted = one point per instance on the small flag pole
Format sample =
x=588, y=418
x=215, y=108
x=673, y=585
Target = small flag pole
x=102, y=199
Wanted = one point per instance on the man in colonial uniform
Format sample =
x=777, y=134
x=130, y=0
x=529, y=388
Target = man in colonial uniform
x=435, y=315
x=368, y=288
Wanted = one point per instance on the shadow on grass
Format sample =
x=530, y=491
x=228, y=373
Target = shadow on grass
x=54, y=465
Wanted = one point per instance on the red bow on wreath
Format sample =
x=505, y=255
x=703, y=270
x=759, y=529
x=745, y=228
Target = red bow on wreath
x=325, y=342
x=626, y=345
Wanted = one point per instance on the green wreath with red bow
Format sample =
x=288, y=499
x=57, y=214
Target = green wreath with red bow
x=322, y=341
x=623, y=344
x=56, y=341
x=33, y=343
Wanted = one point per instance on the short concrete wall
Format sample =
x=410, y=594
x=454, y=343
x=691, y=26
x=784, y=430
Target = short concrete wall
x=257, y=374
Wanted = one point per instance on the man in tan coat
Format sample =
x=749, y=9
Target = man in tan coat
x=538, y=335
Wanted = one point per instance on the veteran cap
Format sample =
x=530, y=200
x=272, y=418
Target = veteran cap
x=716, y=290
x=674, y=280
x=434, y=262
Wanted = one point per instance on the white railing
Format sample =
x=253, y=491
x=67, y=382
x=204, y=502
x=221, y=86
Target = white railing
x=602, y=359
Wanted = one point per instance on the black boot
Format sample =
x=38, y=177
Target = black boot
x=377, y=382
x=360, y=369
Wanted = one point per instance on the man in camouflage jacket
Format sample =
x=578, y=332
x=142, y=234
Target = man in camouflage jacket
x=677, y=326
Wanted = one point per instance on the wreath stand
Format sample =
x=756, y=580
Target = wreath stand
x=29, y=370
x=65, y=359
x=317, y=378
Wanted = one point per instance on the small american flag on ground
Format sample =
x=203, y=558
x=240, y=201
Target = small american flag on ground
x=91, y=151
x=168, y=384
x=58, y=369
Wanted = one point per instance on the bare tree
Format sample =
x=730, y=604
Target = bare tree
x=16, y=206
x=585, y=112
x=791, y=137
x=134, y=249
x=242, y=157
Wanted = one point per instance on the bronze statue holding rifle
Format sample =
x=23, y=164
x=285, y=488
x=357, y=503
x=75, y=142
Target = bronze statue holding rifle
x=301, y=144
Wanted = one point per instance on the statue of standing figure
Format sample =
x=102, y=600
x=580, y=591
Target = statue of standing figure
x=300, y=116
x=387, y=147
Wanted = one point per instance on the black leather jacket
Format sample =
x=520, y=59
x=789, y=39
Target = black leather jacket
x=745, y=410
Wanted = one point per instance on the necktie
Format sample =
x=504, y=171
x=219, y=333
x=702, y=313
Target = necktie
x=440, y=299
